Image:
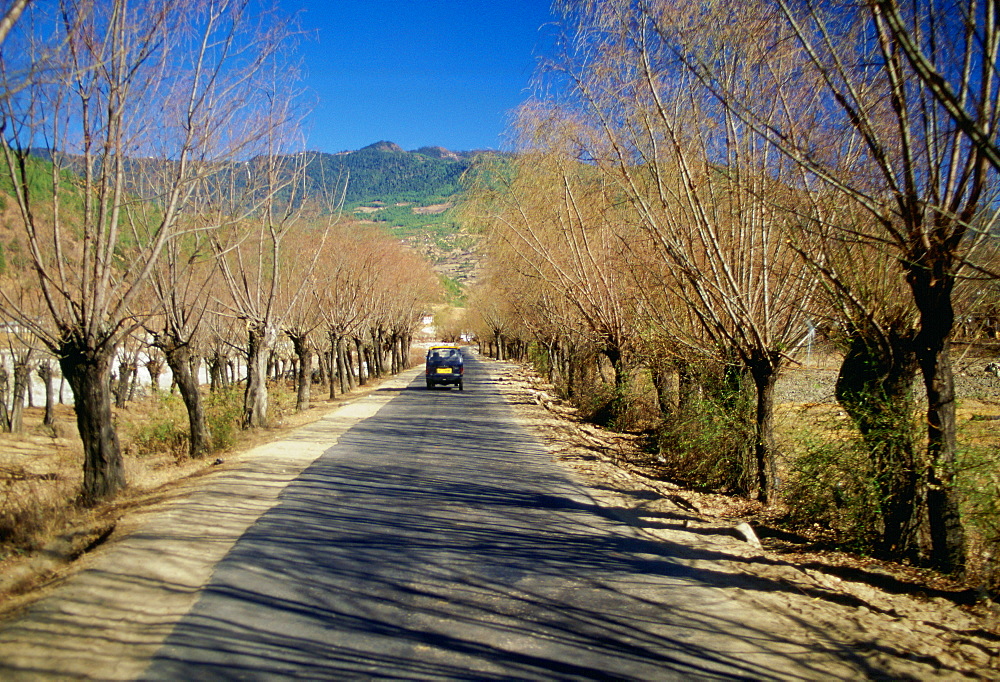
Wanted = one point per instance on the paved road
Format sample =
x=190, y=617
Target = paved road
x=437, y=539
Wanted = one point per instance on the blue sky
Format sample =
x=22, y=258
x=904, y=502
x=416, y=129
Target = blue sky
x=418, y=72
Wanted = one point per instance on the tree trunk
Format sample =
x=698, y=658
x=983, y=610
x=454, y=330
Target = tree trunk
x=22, y=379
x=875, y=388
x=943, y=513
x=331, y=370
x=406, y=343
x=133, y=386
x=360, y=350
x=304, y=352
x=255, y=398
x=687, y=386
x=932, y=284
x=338, y=351
x=121, y=384
x=619, y=402
x=155, y=369
x=180, y=360
x=765, y=375
x=195, y=363
x=88, y=372
x=663, y=382
x=370, y=362
x=216, y=372
x=45, y=374
x=385, y=352
x=321, y=371
x=569, y=371
x=4, y=395
x=349, y=364
x=376, y=363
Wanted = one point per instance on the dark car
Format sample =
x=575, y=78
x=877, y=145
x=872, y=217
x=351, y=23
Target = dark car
x=445, y=366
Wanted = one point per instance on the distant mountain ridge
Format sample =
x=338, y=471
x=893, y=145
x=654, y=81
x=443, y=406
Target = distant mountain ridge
x=380, y=171
x=384, y=171
x=410, y=193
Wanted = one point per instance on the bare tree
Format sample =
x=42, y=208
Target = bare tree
x=133, y=106
x=857, y=120
x=871, y=315
x=182, y=285
x=22, y=353
x=348, y=292
x=553, y=220
x=11, y=13
x=953, y=47
x=709, y=198
x=256, y=265
x=304, y=315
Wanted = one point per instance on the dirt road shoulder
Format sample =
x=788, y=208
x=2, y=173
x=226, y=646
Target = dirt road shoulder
x=106, y=620
x=909, y=628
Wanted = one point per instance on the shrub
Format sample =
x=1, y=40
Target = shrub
x=599, y=404
x=978, y=477
x=223, y=410
x=160, y=437
x=162, y=429
x=708, y=442
x=831, y=482
x=282, y=400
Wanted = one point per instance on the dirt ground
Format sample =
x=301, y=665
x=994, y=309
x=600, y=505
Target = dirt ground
x=902, y=619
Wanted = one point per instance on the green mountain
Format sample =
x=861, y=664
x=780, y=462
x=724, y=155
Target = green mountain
x=384, y=172
x=410, y=193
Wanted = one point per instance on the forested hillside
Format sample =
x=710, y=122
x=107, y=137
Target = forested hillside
x=383, y=171
x=412, y=194
x=409, y=193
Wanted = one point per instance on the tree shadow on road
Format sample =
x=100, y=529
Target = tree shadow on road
x=452, y=548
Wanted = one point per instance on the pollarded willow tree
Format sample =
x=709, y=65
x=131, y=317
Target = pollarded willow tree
x=407, y=288
x=862, y=115
x=873, y=319
x=876, y=132
x=255, y=261
x=187, y=278
x=347, y=290
x=556, y=225
x=710, y=198
x=303, y=317
x=959, y=71
x=182, y=284
x=113, y=108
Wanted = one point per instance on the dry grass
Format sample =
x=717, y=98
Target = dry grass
x=39, y=471
x=801, y=426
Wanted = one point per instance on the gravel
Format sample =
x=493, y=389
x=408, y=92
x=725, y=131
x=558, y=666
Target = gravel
x=812, y=384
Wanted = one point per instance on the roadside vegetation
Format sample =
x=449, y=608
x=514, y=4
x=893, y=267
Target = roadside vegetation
x=165, y=267
x=714, y=189
x=715, y=197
